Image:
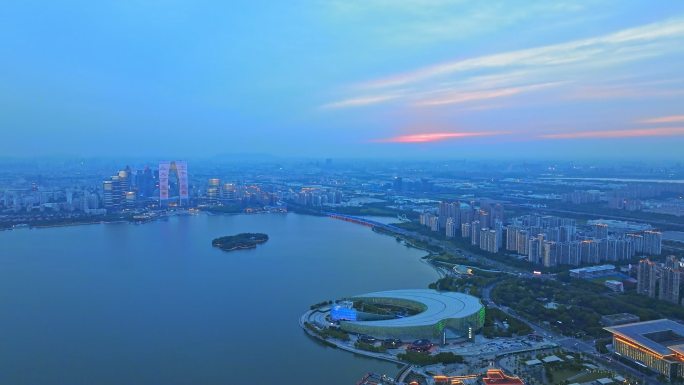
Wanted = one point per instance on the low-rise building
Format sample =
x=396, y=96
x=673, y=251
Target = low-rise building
x=619, y=319
x=614, y=285
x=592, y=271
x=657, y=345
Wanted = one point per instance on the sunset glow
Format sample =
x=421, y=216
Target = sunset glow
x=636, y=133
x=435, y=137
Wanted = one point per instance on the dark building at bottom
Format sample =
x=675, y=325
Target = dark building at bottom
x=657, y=345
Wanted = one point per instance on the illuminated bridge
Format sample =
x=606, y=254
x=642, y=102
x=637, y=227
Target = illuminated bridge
x=366, y=222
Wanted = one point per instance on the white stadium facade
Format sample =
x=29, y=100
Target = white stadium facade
x=437, y=312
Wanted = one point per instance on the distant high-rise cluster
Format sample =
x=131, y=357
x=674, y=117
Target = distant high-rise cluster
x=552, y=241
x=115, y=189
x=482, y=224
x=401, y=185
x=128, y=189
x=544, y=239
x=317, y=197
x=661, y=280
x=218, y=193
x=629, y=198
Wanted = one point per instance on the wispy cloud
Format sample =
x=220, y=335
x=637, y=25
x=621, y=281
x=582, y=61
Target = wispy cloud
x=419, y=22
x=551, y=55
x=664, y=119
x=626, y=89
x=361, y=101
x=464, y=97
x=436, y=137
x=615, y=134
x=581, y=63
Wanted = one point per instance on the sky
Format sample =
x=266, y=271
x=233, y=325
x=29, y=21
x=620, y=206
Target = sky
x=354, y=79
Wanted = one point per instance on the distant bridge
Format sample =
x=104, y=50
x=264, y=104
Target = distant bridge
x=368, y=222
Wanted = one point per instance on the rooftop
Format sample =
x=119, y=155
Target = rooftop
x=620, y=317
x=498, y=377
x=663, y=336
x=438, y=306
x=590, y=269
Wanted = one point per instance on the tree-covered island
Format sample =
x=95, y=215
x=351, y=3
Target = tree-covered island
x=240, y=241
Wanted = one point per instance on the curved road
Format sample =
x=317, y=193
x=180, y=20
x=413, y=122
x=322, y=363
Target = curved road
x=570, y=343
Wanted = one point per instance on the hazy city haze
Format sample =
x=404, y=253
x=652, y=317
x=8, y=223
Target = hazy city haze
x=343, y=78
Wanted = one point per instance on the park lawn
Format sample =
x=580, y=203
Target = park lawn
x=591, y=376
x=561, y=374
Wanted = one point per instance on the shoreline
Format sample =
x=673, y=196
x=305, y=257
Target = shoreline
x=74, y=224
x=406, y=367
x=241, y=241
x=303, y=319
x=439, y=272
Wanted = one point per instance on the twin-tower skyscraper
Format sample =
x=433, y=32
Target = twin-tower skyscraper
x=177, y=172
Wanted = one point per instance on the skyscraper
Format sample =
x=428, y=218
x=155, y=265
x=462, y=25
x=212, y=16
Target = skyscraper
x=647, y=276
x=125, y=182
x=451, y=228
x=443, y=214
x=637, y=241
x=108, y=194
x=535, y=248
x=669, y=284
x=214, y=191
x=574, y=253
x=653, y=242
x=397, y=184
x=179, y=171
x=491, y=243
x=465, y=230
x=600, y=230
x=589, y=251
x=550, y=254
x=523, y=242
x=512, y=238
x=475, y=229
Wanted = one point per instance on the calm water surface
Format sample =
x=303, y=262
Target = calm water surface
x=156, y=304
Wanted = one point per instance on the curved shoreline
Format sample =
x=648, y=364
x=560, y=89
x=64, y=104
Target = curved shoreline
x=338, y=344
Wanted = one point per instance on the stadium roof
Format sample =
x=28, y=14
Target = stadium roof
x=661, y=336
x=439, y=306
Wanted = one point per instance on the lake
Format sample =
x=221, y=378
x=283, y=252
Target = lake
x=156, y=304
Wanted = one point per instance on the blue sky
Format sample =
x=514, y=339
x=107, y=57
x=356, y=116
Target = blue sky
x=388, y=78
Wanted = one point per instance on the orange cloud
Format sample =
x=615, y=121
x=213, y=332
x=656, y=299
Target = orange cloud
x=435, y=137
x=665, y=119
x=635, y=133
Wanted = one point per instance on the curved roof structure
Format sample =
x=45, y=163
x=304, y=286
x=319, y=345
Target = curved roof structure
x=438, y=306
x=661, y=336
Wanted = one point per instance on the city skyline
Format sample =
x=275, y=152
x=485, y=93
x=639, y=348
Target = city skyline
x=423, y=80
x=399, y=192
x=534, y=262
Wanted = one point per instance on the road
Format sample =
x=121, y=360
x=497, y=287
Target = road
x=445, y=245
x=570, y=343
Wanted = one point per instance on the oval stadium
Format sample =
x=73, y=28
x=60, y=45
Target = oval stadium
x=412, y=314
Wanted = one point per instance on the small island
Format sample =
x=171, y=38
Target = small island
x=240, y=241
